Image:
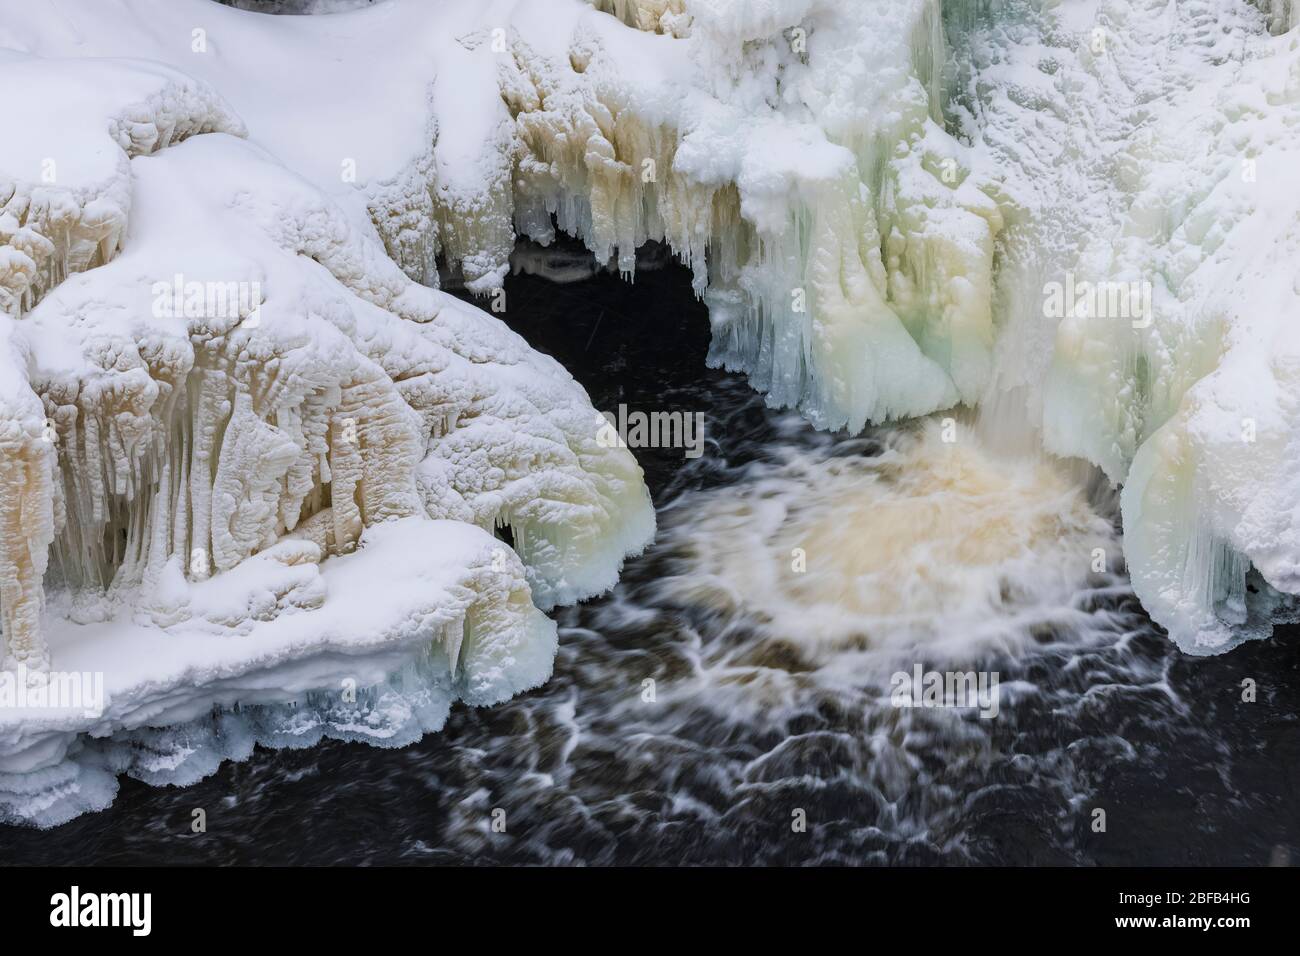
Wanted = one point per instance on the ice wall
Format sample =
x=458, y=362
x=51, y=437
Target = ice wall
x=1144, y=146
x=65, y=199
x=859, y=200
x=27, y=507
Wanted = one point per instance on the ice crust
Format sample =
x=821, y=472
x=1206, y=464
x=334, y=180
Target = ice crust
x=871, y=197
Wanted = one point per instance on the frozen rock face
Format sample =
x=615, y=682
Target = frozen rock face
x=792, y=153
x=422, y=614
x=1143, y=148
x=1073, y=229
x=219, y=399
x=61, y=221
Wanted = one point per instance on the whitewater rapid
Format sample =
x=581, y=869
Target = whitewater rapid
x=822, y=566
x=917, y=539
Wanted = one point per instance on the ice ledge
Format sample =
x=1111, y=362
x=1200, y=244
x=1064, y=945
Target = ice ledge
x=424, y=614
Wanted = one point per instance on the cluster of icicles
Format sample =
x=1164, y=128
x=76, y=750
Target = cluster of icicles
x=174, y=450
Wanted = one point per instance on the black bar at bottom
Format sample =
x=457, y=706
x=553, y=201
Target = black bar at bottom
x=211, y=906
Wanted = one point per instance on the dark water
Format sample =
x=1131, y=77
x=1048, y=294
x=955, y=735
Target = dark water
x=748, y=732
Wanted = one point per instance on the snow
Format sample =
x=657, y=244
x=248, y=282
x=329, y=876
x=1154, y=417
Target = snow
x=796, y=169
x=255, y=456
x=408, y=581
x=292, y=680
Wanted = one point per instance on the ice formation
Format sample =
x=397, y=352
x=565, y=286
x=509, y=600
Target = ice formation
x=249, y=462
x=874, y=199
x=1149, y=143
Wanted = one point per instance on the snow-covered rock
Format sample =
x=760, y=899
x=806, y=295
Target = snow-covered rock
x=422, y=614
x=220, y=401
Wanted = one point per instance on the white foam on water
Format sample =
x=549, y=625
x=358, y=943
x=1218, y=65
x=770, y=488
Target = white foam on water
x=934, y=547
x=919, y=551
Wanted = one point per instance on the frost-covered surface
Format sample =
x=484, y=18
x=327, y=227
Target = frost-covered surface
x=789, y=152
x=248, y=462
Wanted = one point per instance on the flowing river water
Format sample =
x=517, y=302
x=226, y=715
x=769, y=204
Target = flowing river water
x=733, y=699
